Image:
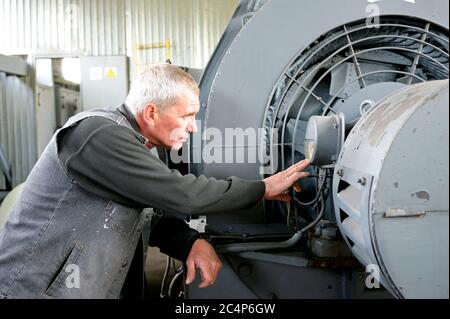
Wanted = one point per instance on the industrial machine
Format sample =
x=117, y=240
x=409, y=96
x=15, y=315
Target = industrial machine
x=361, y=89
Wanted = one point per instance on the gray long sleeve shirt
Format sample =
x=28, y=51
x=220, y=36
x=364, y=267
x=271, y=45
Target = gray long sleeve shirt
x=108, y=160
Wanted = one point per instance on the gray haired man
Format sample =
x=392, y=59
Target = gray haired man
x=85, y=204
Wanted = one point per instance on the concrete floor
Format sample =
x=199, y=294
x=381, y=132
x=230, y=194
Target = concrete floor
x=154, y=271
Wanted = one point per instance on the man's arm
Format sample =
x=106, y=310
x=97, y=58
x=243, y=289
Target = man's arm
x=108, y=160
x=172, y=236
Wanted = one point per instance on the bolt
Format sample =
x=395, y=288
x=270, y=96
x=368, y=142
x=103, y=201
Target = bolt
x=340, y=172
x=362, y=181
x=329, y=233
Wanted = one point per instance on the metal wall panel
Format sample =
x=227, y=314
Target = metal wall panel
x=193, y=28
x=63, y=26
x=116, y=27
x=99, y=28
x=17, y=125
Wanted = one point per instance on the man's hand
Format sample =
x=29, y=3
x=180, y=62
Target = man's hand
x=278, y=184
x=204, y=257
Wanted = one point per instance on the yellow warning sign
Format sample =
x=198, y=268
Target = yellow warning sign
x=110, y=73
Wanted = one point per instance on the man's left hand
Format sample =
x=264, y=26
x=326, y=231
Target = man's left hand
x=203, y=257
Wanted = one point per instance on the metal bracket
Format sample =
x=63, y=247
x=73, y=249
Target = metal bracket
x=13, y=65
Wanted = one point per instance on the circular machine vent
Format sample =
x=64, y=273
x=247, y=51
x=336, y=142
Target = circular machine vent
x=347, y=71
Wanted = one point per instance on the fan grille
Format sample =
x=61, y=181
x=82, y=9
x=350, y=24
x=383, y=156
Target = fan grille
x=418, y=49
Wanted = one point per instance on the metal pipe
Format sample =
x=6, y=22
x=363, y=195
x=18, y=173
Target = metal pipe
x=245, y=247
x=172, y=283
x=162, y=45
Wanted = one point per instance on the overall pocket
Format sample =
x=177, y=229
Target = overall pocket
x=121, y=218
x=58, y=282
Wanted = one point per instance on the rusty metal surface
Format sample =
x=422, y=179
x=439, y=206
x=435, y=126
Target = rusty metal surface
x=403, y=144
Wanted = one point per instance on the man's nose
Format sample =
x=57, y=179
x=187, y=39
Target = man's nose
x=192, y=128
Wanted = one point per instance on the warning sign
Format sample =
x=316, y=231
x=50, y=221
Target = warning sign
x=110, y=72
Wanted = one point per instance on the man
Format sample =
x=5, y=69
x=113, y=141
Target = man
x=80, y=230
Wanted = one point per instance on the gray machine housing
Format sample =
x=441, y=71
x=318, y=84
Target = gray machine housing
x=281, y=62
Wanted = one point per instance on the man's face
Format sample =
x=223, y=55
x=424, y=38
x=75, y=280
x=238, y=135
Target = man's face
x=174, y=124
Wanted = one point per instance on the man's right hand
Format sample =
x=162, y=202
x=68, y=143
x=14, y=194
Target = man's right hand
x=278, y=184
x=204, y=257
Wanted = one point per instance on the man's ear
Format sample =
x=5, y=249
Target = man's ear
x=149, y=113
